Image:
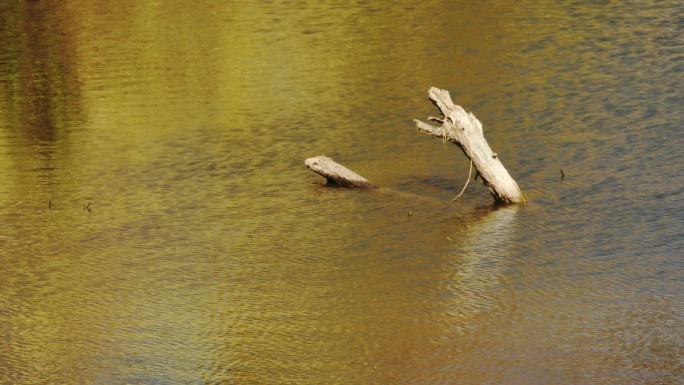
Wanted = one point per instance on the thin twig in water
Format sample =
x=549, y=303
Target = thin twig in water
x=466, y=183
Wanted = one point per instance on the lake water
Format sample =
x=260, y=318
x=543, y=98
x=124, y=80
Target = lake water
x=158, y=225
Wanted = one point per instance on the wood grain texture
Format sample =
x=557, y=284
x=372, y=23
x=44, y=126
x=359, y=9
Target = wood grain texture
x=465, y=130
x=336, y=173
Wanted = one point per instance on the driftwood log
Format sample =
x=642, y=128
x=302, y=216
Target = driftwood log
x=464, y=130
x=336, y=173
x=458, y=127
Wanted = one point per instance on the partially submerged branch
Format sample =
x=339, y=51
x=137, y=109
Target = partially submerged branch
x=456, y=126
x=336, y=173
x=464, y=130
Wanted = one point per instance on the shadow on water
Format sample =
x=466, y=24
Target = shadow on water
x=42, y=101
x=43, y=89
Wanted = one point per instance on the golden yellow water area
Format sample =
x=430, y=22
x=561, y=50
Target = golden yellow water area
x=158, y=225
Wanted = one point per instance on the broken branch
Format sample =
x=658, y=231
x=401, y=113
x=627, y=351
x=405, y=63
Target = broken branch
x=464, y=130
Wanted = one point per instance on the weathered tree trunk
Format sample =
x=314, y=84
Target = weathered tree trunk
x=336, y=173
x=464, y=130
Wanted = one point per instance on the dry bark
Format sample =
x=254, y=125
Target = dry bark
x=464, y=130
x=336, y=173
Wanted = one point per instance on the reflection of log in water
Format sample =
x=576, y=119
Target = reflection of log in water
x=479, y=259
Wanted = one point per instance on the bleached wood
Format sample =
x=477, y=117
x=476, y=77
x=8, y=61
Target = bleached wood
x=336, y=173
x=464, y=130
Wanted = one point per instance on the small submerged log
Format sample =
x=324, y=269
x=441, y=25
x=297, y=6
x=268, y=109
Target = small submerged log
x=336, y=173
x=464, y=130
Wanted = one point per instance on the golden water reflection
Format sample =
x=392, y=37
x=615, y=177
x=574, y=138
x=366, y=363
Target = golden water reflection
x=373, y=321
x=158, y=225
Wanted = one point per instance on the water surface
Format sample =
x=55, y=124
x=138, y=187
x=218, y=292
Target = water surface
x=159, y=226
